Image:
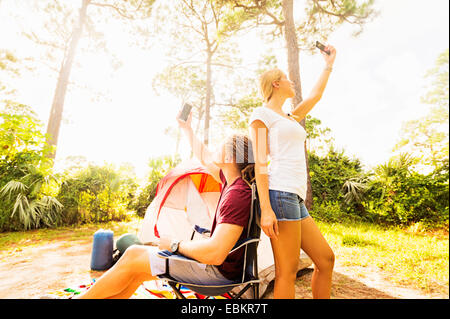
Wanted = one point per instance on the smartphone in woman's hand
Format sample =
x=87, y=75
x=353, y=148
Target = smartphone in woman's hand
x=321, y=47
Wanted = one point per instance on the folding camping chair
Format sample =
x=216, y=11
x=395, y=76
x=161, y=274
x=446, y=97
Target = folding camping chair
x=250, y=277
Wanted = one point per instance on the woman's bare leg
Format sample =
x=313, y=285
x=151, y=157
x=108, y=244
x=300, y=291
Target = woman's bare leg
x=286, y=252
x=317, y=248
x=134, y=266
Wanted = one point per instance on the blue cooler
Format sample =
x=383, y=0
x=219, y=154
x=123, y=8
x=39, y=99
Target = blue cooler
x=102, y=250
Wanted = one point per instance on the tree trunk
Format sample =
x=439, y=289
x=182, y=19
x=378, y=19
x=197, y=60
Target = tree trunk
x=294, y=76
x=55, y=118
x=207, y=97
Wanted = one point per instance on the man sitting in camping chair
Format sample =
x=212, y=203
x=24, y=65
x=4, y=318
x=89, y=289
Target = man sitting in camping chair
x=215, y=264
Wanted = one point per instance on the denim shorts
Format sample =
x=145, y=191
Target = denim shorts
x=287, y=206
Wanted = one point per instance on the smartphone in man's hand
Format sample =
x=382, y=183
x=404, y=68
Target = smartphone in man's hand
x=321, y=47
x=185, y=112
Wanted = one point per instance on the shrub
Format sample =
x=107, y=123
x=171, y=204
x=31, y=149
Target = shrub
x=390, y=194
x=399, y=196
x=96, y=194
x=27, y=186
x=338, y=185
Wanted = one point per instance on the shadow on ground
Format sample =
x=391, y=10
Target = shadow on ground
x=343, y=287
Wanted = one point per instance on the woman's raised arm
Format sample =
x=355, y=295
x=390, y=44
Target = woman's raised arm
x=305, y=106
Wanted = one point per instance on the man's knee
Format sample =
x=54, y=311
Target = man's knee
x=132, y=252
x=133, y=257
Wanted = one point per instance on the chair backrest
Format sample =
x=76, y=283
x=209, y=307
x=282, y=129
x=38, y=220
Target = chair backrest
x=253, y=231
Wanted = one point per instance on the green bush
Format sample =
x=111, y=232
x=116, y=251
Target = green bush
x=329, y=173
x=328, y=212
x=392, y=193
x=27, y=186
x=400, y=196
x=338, y=184
x=96, y=194
x=27, y=196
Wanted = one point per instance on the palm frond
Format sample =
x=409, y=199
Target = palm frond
x=12, y=188
x=22, y=208
x=35, y=212
x=354, y=190
x=52, y=210
x=51, y=203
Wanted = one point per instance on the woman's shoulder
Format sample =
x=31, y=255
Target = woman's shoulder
x=263, y=114
x=259, y=110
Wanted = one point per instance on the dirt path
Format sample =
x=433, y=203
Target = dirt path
x=30, y=272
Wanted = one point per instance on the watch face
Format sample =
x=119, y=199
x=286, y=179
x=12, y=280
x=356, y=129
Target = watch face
x=174, y=246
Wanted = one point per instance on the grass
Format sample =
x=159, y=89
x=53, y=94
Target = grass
x=415, y=260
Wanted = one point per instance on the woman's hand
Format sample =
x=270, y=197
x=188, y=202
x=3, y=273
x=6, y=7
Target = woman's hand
x=182, y=124
x=269, y=223
x=329, y=59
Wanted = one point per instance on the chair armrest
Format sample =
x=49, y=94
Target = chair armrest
x=168, y=255
x=201, y=230
x=242, y=242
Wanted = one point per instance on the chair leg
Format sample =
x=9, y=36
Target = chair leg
x=242, y=291
x=176, y=291
x=256, y=291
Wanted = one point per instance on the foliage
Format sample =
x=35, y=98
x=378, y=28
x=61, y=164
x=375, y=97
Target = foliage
x=240, y=105
x=392, y=193
x=8, y=66
x=96, y=194
x=437, y=94
x=331, y=178
x=337, y=181
x=20, y=131
x=236, y=116
x=427, y=137
x=399, y=195
x=159, y=167
x=27, y=199
x=318, y=138
x=319, y=20
x=329, y=211
x=26, y=184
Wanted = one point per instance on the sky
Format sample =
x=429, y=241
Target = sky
x=375, y=86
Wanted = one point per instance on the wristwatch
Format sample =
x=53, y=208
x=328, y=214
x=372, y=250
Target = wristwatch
x=174, y=246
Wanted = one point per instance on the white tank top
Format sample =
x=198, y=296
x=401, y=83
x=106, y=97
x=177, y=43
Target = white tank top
x=287, y=168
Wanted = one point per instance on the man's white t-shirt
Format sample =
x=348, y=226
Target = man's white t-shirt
x=286, y=138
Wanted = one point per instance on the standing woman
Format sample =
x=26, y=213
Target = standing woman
x=282, y=185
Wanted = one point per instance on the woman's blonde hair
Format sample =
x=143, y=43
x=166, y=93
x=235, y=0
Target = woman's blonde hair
x=266, y=80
